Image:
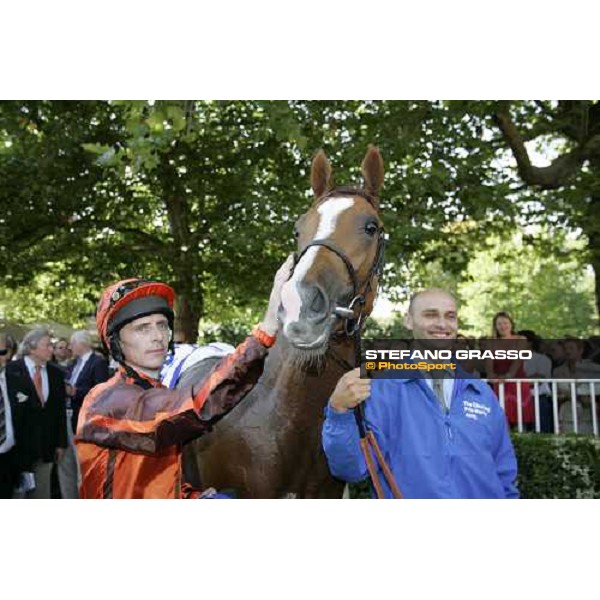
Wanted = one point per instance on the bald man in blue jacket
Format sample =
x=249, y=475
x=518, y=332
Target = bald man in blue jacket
x=458, y=448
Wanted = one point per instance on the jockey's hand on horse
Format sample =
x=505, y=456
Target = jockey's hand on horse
x=350, y=391
x=270, y=325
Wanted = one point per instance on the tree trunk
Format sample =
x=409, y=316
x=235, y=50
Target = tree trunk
x=187, y=315
x=190, y=303
x=591, y=227
x=596, y=267
x=593, y=234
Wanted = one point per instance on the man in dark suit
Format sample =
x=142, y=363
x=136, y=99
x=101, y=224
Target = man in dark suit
x=83, y=374
x=9, y=465
x=88, y=370
x=37, y=393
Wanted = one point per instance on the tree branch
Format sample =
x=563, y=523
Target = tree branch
x=556, y=174
x=142, y=235
x=92, y=222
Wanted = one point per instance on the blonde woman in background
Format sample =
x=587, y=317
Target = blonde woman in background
x=504, y=338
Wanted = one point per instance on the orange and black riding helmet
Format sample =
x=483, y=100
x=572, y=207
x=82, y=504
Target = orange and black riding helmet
x=127, y=300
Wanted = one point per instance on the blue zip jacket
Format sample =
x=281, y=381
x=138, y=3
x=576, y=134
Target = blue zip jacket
x=465, y=452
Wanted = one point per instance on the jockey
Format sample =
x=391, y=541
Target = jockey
x=131, y=428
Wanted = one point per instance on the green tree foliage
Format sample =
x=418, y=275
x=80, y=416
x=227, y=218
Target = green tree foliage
x=43, y=300
x=566, y=192
x=182, y=191
x=541, y=280
x=204, y=194
x=553, y=294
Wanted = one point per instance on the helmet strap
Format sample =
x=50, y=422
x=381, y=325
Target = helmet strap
x=115, y=347
x=137, y=378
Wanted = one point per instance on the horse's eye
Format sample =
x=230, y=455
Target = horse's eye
x=296, y=233
x=371, y=228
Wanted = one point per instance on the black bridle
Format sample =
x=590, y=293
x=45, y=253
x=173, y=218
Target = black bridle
x=353, y=314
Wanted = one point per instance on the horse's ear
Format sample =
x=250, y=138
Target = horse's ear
x=372, y=170
x=320, y=174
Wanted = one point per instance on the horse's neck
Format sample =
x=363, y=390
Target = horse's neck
x=298, y=387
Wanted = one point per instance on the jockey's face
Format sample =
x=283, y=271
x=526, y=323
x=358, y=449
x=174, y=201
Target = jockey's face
x=145, y=343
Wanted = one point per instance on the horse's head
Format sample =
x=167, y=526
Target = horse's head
x=340, y=252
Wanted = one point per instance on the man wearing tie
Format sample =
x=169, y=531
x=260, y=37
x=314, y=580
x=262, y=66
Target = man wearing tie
x=37, y=392
x=89, y=370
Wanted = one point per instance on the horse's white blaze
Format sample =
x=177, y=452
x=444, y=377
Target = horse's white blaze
x=329, y=213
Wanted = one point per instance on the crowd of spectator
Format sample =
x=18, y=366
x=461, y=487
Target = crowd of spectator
x=569, y=358
x=43, y=381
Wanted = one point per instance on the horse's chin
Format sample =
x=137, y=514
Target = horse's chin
x=304, y=359
x=309, y=353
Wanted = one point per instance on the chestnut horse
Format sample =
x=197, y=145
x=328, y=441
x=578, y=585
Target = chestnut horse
x=269, y=446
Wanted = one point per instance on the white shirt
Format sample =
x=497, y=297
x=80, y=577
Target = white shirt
x=541, y=364
x=31, y=368
x=79, y=367
x=9, y=442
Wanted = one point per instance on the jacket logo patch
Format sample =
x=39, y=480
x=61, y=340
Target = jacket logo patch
x=474, y=410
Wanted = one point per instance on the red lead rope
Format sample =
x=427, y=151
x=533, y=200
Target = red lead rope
x=366, y=444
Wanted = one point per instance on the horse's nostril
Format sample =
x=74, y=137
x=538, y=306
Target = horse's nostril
x=319, y=302
x=296, y=329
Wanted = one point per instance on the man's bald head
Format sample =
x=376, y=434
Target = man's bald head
x=432, y=315
x=428, y=293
